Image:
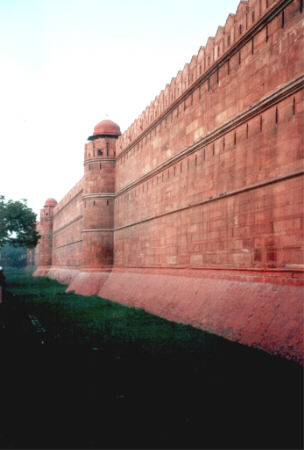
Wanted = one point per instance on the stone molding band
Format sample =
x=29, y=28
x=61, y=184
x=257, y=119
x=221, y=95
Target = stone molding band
x=104, y=195
x=98, y=230
x=69, y=243
x=98, y=160
x=280, y=94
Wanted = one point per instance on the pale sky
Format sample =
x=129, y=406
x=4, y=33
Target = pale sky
x=68, y=64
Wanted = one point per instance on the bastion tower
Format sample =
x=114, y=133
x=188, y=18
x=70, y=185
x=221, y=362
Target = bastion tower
x=98, y=196
x=46, y=230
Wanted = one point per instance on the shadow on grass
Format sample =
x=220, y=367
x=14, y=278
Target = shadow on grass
x=108, y=376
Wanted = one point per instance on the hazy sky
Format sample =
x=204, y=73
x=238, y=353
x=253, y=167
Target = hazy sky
x=66, y=64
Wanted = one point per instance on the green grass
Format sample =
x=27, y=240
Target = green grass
x=74, y=319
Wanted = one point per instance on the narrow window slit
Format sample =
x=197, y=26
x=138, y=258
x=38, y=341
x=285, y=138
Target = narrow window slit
x=294, y=106
x=276, y=115
x=261, y=123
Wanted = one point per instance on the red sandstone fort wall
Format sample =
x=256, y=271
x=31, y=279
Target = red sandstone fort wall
x=67, y=229
x=215, y=179
x=205, y=199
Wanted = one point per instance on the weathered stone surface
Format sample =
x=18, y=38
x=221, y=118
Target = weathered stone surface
x=195, y=212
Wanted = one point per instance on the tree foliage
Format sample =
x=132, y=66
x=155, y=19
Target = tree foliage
x=13, y=256
x=17, y=224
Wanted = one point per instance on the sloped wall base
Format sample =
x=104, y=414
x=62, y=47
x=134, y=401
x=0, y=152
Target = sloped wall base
x=86, y=283
x=263, y=311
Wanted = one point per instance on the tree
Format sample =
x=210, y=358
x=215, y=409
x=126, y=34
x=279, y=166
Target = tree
x=13, y=256
x=17, y=224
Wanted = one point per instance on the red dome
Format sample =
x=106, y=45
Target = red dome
x=107, y=127
x=50, y=202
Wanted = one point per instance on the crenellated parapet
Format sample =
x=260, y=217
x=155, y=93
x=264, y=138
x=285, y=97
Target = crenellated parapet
x=249, y=15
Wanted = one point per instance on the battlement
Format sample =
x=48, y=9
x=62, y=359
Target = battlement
x=76, y=189
x=250, y=15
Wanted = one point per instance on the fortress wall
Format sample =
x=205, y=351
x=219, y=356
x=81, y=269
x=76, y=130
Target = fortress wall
x=254, y=71
x=260, y=227
x=208, y=199
x=264, y=147
x=67, y=229
x=250, y=139
x=209, y=202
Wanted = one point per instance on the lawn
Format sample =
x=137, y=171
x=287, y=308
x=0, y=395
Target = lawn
x=97, y=374
x=94, y=322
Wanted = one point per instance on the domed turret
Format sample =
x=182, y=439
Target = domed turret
x=98, y=196
x=50, y=202
x=105, y=128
